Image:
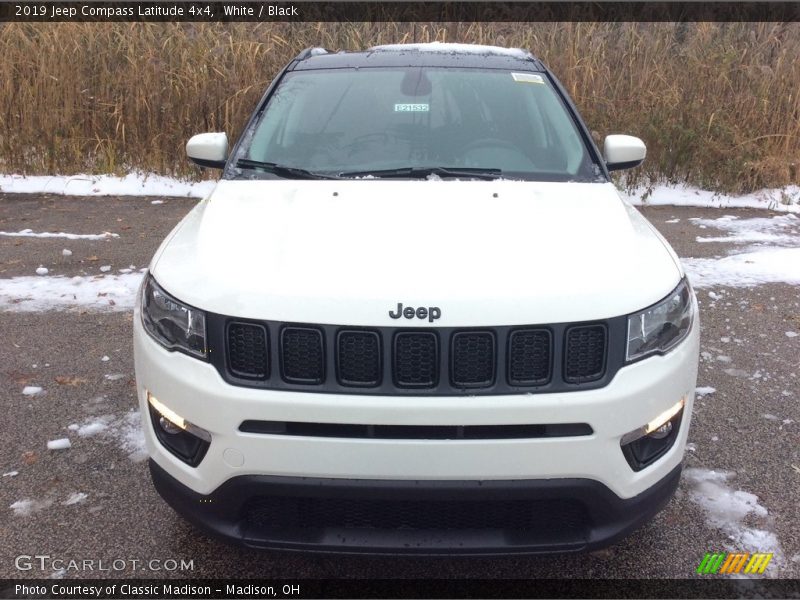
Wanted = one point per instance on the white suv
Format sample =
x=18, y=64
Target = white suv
x=414, y=315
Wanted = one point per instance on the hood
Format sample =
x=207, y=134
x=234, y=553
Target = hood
x=483, y=252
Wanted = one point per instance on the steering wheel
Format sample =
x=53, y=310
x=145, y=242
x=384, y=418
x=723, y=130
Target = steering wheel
x=489, y=142
x=366, y=139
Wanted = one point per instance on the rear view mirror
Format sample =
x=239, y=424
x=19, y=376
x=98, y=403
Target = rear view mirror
x=208, y=149
x=623, y=152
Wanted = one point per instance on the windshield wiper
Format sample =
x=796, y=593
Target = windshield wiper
x=423, y=172
x=281, y=170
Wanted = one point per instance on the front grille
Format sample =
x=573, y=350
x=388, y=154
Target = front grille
x=472, y=359
x=359, y=358
x=585, y=353
x=425, y=361
x=248, y=355
x=544, y=517
x=302, y=355
x=529, y=356
x=416, y=359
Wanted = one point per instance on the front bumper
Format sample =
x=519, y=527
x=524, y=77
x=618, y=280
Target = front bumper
x=299, y=513
x=583, y=484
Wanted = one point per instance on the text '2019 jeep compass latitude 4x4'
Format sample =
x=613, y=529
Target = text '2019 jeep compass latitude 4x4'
x=415, y=316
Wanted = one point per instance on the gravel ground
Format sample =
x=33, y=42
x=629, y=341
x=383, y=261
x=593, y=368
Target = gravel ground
x=749, y=426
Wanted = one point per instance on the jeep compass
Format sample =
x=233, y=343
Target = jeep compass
x=415, y=316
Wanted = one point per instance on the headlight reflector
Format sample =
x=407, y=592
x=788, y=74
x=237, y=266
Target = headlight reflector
x=173, y=324
x=660, y=327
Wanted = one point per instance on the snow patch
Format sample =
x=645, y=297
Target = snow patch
x=133, y=184
x=26, y=507
x=66, y=252
x=95, y=426
x=704, y=391
x=777, y=229
x=791, y=334
x=31, y=390
x=748, y=269
x=75, y=498
x=727, y=509
x=101, y=292
x=128, y=434
x=784, y=199
x=11, y=474
x=447, y=48
x=59, y=444
x=69, y=236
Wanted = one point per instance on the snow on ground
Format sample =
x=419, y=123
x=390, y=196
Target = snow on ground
x=127, y=433
x=31, y=390
x=780, y=229
x=106, y=235
x=748, y=269
x=106, y=292
x=94, y=426
x=704, y=391
x=59, y=444
x=75, y=498
x=784, y=200
x=731, y=511
x=26, y=507
x=134, y=184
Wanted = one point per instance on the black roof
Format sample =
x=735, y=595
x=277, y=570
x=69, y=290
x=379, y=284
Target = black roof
x=423, y=55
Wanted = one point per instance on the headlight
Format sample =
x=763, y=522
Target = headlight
x=660, y=327
x=172, y=323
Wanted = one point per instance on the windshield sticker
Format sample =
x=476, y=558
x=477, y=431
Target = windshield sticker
x=527, y=78
x=412, y=108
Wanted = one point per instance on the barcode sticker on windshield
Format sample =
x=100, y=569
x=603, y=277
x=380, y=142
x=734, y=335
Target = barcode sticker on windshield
x=527, y=78
x=412, y=108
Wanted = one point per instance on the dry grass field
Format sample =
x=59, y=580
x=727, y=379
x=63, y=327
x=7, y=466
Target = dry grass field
x=717, y=103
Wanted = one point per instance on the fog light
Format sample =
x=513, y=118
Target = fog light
x=662, y=431
x=168, y=426
x=645, y=445
x=183, y=439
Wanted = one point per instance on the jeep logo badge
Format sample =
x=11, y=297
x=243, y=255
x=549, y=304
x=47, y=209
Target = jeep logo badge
x=409, y=312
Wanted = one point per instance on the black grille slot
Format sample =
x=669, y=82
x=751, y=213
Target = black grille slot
x=544, y=517
x=529, y=357
x=302, y=355
x=416, y=360
x=472, y=359
x=416, y=432
x=248, y=354
x=358, y=359
x=584, y=353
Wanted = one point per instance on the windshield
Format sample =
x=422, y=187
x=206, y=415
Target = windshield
x=415, y=121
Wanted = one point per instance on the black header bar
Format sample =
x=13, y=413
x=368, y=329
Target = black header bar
x=716, y=587
x=302, y=11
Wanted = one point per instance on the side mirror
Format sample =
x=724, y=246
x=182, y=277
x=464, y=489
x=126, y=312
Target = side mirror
x=623, y=152
x=208, y=149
